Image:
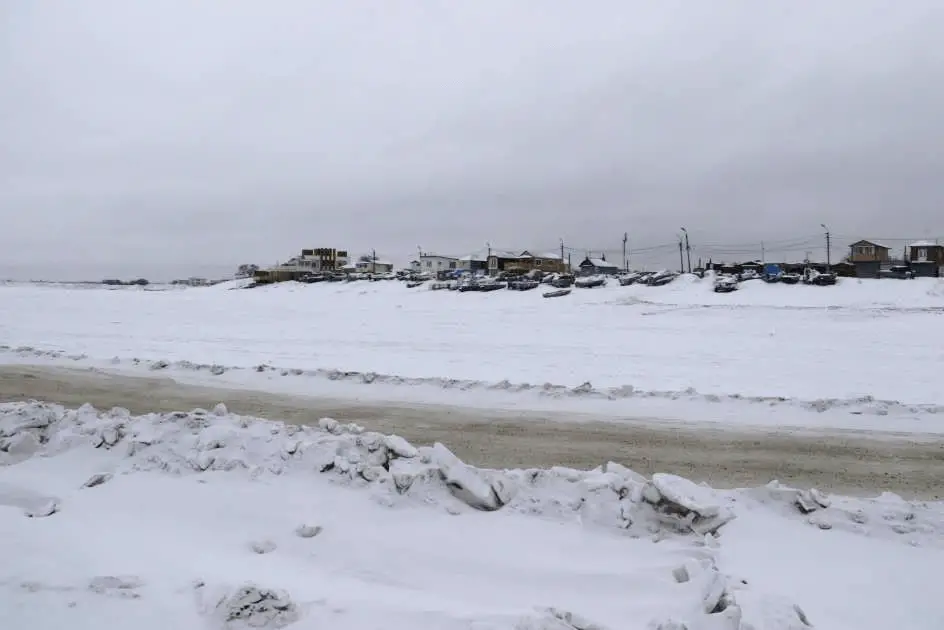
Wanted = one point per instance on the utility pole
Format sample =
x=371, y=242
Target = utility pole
x=688, y=251
x=681, y=257
x=488, y=261
x=373, y=261
x=625, y=260
x=828, y=260
x=763, y=253
x=562, y=252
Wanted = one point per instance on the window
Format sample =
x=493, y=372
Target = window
x=429, y=263
x=865, y=250
x=452, y=264
x=923, y=253
x=537, y=262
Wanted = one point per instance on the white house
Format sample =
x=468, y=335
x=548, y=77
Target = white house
x=374, y=266
x=434, y=263
x=473, y=262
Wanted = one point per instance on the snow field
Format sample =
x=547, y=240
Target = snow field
x=207, y=519
x=862, y=344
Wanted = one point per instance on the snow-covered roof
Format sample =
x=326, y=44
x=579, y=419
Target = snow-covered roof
x=870, y=243
x=599, y=262
x=504, y=254
x=924, y=244
x=428, y=255
x=473, y=258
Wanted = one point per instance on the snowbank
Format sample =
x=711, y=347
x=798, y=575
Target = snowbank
x=860, y=405
x=397, y=475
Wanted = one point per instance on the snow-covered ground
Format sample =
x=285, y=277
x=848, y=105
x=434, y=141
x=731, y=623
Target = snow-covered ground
x=209, y=520
x=866, y=350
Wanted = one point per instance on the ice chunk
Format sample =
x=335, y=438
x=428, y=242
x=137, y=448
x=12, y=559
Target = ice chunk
x=464, y=482
x=687, y=494
x=400, y=447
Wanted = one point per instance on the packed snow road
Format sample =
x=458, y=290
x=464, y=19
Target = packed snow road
x=850, y=462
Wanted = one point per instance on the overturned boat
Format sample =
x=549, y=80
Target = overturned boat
x=557, y=293
x=590, y=282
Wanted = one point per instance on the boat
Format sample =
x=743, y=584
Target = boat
x=523, y=285
x=790, y=278
x=590, y=282
x=563, y=281
x=412, y=284
x=627, y=279
x=311, y=278
x=726, y=284
x=557, y=293
x=661, y=278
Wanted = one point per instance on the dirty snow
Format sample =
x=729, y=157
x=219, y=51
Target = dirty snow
x=206, y=519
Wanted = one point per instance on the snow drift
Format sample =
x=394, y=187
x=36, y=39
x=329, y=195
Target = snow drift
x=398, y=475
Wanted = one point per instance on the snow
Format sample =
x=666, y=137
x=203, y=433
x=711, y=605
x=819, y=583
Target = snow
x=863, y=348
x=361, y=530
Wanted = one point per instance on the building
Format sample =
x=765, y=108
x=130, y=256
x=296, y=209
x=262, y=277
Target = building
x=474, y=263
x=869, y=258
x=926, y=259
x=867, y=251
x=598, y=266
x=322, y=259
x=499, y=261
x=434, y=263
x=366, y=264
x=547, y=263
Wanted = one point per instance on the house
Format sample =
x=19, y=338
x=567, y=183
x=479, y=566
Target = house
x=499, y=261
x=369, y=264
x=926, y=258
x=868, y=258
x=475, y=263
x=545, y=262
x=321, y=259
x=867, y=251
x=597, y=266
x=434, y=263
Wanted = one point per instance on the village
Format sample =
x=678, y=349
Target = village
x=491, y=269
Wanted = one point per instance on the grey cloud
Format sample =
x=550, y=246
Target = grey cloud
x=226, y=132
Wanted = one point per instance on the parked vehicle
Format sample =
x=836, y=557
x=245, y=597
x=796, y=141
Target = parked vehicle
x=412, y=284
x=749, y=274
x=772, y=273
x=726, y=284
x=897, y=272
x=816, y=278
x=557, y=293
x=790, y=278
x=590, y=282
x=311, y=278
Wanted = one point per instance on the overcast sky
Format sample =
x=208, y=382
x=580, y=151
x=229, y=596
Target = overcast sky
x=173, y=137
